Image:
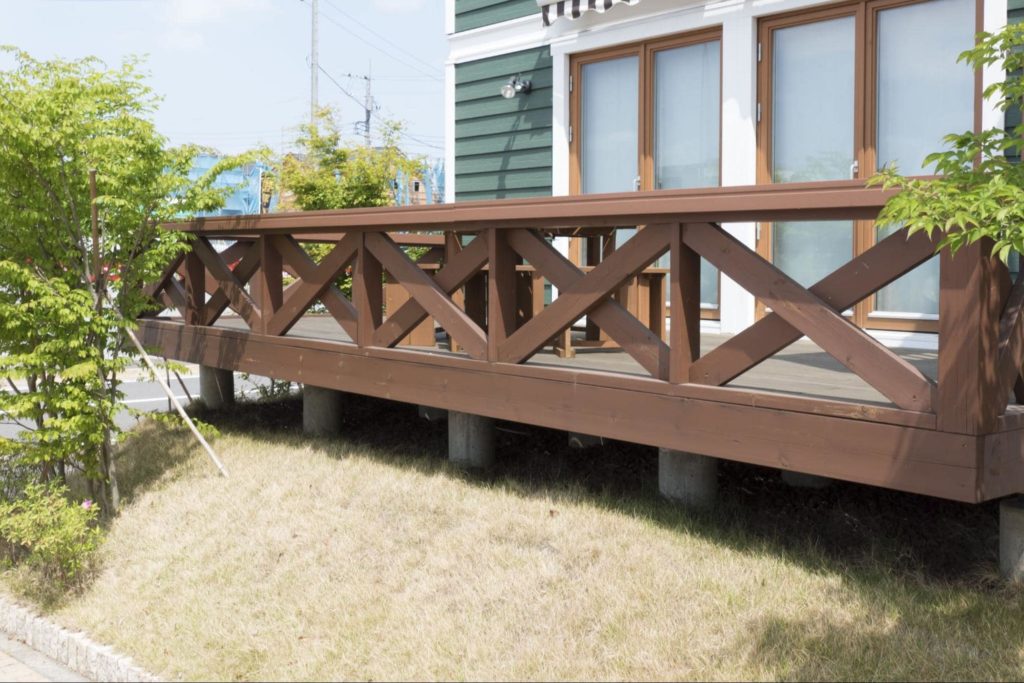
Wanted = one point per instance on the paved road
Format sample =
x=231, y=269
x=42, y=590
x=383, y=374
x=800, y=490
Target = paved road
x=146, y=395
x=21, y=664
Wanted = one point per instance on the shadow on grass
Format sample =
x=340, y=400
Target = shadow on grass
x=845, y=526
x=928, y=603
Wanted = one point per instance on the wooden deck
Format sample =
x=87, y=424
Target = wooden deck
x=801, y=389
x=801, y=369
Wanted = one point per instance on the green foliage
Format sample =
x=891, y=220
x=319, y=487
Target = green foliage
x=979, y=192
x=328, y=174
x=55, y=390
x=273, y=390
x=50, y=533
x=62, y=338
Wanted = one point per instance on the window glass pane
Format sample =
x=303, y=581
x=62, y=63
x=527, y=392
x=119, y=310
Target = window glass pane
x=923, y=93
x=916, y=292
x=807, y=251
x=813, y=101
x=918, y=46
x=610, y=115
x=687, y=114
x=812, y=137
x=687, y=123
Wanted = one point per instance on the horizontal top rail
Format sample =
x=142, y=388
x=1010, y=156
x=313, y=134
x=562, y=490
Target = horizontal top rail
x=832, y=200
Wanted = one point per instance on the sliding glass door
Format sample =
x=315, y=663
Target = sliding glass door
x=647, y=117
x=844, y=90
x=812, y=136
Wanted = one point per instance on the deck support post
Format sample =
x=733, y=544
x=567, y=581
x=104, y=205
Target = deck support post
x=321, y=411
x=687, y=478
x=1011, y=539
x=216, y=387
x=470, y=440
x=581, y=441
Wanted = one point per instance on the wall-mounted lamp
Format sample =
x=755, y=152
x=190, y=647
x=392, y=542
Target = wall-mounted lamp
x=516, y=86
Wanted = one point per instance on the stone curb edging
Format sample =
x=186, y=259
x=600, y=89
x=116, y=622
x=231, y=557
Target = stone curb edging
x=72, y=650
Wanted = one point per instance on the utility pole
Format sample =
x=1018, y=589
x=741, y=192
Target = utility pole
x=314, y=64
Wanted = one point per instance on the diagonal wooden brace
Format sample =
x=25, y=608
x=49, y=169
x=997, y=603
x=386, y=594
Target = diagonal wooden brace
x=892, y=376
x=588, y=293
x=460, y=268
x=891, y=258
x=429, y=294
x=231, y=284
x=633, y=336
x=314, y=282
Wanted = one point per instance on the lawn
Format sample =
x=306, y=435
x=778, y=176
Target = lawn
x=368, y=557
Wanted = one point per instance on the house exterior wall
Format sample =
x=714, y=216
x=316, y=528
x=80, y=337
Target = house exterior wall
x=470, y=14
x=738, y=20
x=503, y=147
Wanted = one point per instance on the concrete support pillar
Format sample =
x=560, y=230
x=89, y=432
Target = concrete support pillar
x=216, y=387
x=581, y=441
x=321, y=411
x=799, y=480
x=687, y=478
x=1011, y=539
x=433, y=414
x=470, y=440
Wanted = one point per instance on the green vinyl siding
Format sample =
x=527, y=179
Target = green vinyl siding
x=471, y=14
x=503, y=147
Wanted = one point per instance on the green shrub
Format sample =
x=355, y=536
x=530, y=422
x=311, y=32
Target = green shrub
x=50, y=533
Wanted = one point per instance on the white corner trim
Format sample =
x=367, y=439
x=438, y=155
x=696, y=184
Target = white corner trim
x=449, y=133
x=74, y=651
x=449, y=17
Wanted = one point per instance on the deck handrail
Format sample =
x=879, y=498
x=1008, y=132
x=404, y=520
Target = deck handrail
x=837, y=200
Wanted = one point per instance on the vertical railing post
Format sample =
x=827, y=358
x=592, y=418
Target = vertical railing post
x=452, y=246
x=267, y=282
x=684, y=311
x=367, y=294
x=195, y=289
x=501, y=292
x=970, y=304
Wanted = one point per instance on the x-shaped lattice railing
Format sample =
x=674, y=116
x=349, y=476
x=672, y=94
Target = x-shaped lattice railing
x=796, y=311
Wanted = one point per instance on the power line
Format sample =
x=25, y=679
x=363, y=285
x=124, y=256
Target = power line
x=377, y=47
x=379, y=36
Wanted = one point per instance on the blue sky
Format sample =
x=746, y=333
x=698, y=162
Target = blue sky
x=234, y=73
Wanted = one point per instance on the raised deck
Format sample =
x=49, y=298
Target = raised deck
x=836, y=404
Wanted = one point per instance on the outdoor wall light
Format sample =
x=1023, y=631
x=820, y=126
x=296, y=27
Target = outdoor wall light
x=516, y=86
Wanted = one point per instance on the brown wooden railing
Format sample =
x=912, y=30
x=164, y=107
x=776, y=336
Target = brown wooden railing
x=981, y=318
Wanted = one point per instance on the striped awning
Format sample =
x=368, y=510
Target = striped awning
x=552, y=9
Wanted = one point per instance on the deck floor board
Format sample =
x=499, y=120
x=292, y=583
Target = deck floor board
x=802, y=369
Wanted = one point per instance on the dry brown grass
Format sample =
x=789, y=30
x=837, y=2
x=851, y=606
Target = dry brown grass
x=369, y=558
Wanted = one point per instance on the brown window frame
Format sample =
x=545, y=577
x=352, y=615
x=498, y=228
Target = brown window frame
x=866, y=14
x=645, y=51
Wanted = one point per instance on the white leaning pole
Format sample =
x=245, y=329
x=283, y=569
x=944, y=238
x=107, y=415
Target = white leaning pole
x=177, y=404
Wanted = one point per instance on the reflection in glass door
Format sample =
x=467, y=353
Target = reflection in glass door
x=812, y=136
